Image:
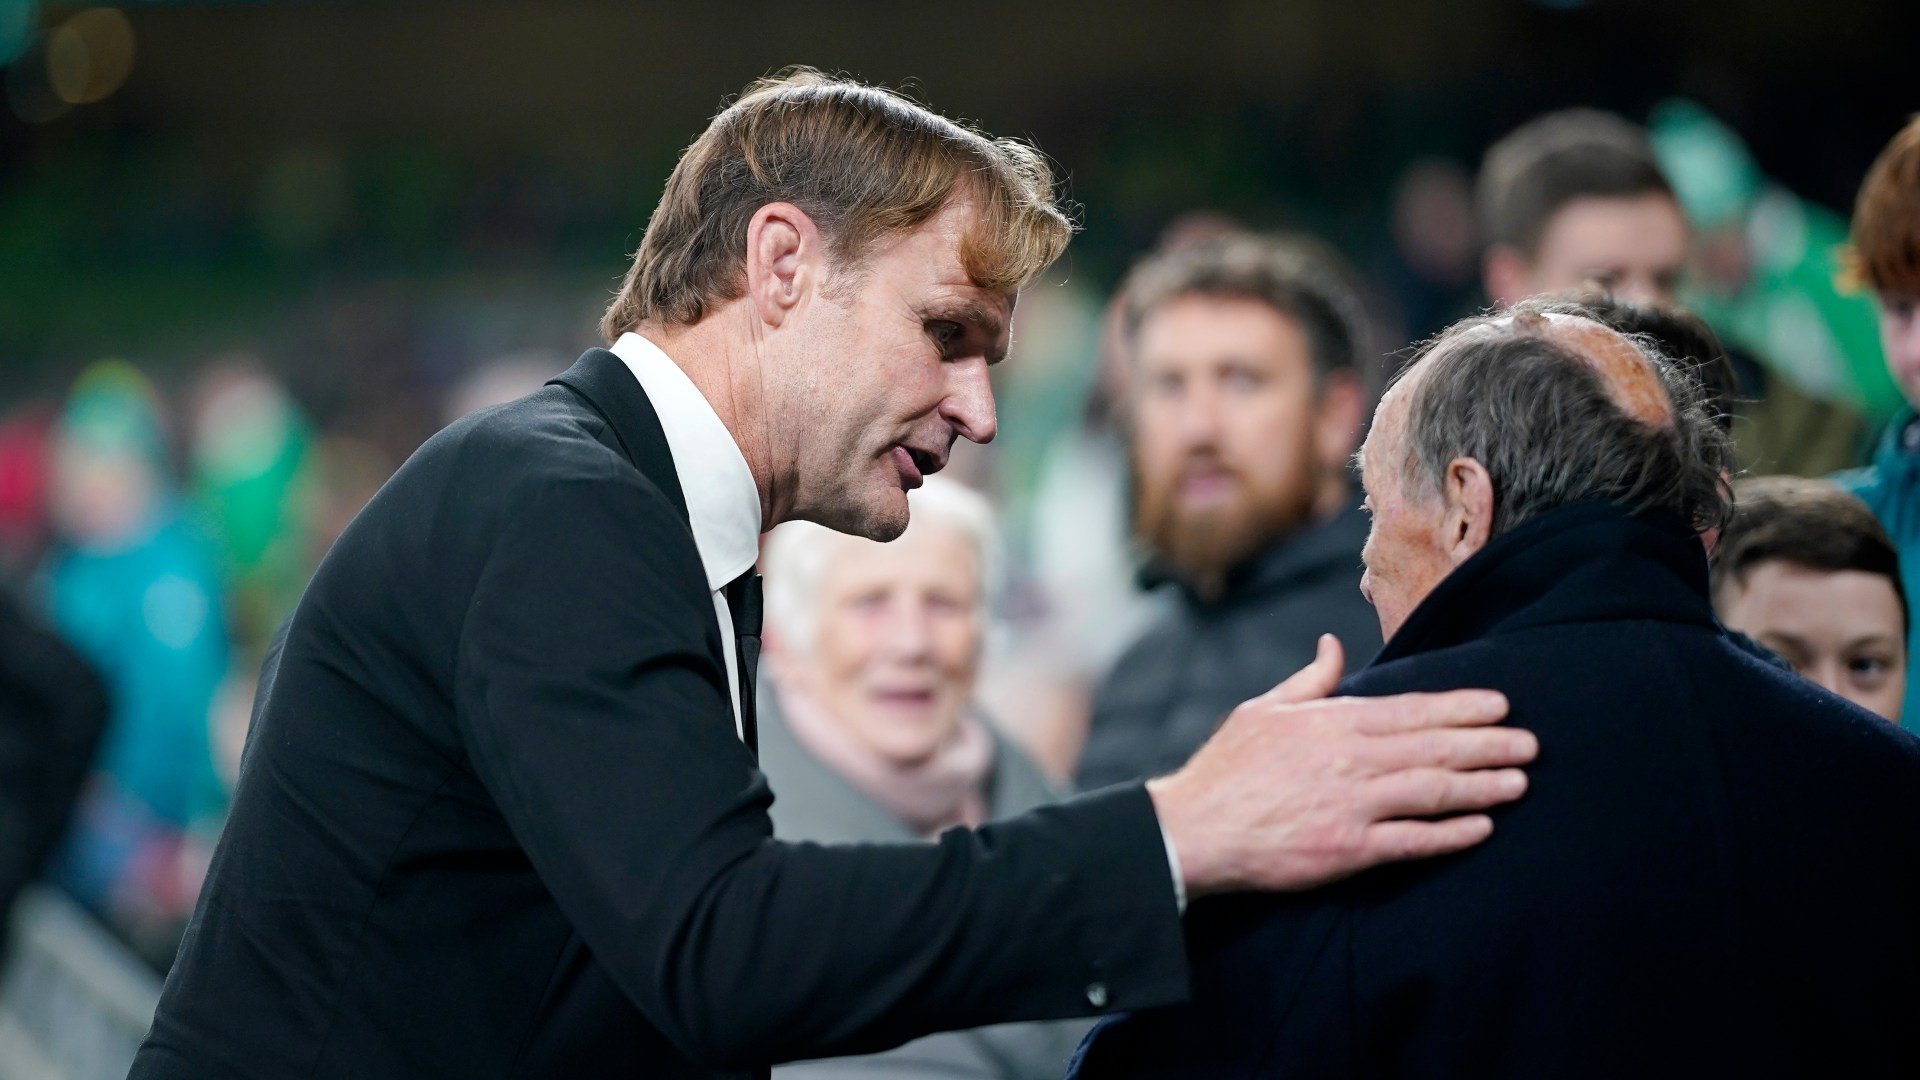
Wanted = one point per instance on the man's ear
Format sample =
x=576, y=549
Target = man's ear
x=1469, y=499
x=786, y=261
x=1340, y=416
x=1506, y=274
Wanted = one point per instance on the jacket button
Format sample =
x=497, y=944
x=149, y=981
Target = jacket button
x=1097, y=995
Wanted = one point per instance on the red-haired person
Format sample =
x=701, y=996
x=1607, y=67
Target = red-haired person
x=1886, y=257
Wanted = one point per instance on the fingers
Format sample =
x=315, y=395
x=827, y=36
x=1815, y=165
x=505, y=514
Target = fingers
x=1452, y=748
x=1394, y=841
x=1433, y=792
x=1316, y=680
x=1411, y=712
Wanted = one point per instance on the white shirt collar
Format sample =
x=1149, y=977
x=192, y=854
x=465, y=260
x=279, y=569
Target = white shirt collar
x=723, y=502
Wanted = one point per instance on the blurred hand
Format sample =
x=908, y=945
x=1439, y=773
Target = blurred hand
x=1297, y=789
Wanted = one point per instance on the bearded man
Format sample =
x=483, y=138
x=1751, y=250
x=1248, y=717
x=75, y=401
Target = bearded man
x=1247, y=394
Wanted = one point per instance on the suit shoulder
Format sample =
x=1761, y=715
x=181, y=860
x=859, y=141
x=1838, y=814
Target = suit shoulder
x=530, y=450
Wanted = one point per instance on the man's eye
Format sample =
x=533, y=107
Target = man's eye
x=1241, y=380
x=944, y=334
x=1868, y=667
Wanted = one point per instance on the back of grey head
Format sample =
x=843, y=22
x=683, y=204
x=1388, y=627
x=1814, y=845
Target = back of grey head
x=1540, y=418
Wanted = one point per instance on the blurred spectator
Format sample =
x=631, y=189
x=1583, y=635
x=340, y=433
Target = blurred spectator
x=1767, y=268
x=501, y=380
x=1248, y=388
x=1432, y=273
x=52, y=711
x=869, y=734
x=135, y=587
x=251, y=467
x=24, y=436
x=1805, y=570
x=1577, y=199
x=1076, y=525
x=349, y=471
x=1886, y=258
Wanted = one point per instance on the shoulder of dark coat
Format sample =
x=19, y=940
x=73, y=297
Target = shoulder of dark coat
x=525, y=449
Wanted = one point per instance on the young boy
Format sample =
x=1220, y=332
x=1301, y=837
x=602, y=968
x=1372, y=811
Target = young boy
x=1886, y=258
x=1804, y=569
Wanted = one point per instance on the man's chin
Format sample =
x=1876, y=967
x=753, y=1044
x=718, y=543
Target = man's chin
x=880, y=517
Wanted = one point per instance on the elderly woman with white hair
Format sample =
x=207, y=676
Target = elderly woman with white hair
x=869, y=733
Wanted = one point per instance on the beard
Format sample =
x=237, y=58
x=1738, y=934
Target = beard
x=1202, y=544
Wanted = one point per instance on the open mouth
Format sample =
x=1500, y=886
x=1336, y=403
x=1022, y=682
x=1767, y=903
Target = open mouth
x=915, y=465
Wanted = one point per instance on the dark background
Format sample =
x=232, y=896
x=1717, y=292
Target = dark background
x=373, y=195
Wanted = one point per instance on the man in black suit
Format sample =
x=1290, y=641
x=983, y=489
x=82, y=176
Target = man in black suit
x=499, y=815
x=1715, y=870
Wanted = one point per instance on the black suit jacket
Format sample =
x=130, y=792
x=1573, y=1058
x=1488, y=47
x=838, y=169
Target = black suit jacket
x=495, y=820
x=1715, y=871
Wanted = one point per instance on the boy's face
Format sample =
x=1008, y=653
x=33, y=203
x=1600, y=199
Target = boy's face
x=1839, y=628
x=1900, y=338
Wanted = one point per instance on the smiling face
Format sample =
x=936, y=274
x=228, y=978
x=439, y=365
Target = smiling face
x=896, y=639
x=893, y=370
x=1842, y=629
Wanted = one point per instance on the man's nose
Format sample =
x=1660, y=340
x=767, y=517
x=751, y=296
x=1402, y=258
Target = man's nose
x=1827, y=672
x=1198, y=417
x=969, y=402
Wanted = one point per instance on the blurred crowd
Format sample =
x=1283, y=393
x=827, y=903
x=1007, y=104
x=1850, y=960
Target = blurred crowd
x=1166, y=528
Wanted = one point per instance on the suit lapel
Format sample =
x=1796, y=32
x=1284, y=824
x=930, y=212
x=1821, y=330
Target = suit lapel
x=608, y=385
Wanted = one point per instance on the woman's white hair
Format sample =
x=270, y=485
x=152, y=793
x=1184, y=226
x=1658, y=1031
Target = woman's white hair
x=796, y=554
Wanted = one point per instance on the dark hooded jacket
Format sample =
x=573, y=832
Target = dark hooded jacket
x=1715, y=871
x=1171, y=688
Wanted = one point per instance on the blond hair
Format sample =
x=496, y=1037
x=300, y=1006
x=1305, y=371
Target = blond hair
x=864, y=162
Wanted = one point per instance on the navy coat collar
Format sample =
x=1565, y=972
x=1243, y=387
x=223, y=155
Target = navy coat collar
x=1590, y=562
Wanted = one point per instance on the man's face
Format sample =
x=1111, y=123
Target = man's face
x=1227, y=439
x=1841, y=629
x=1405, y=554
x=1634, y=248
x=1900, y=337
x=897, y=642
x=893, y=369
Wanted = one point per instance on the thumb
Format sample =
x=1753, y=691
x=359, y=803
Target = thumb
x=1316, y=680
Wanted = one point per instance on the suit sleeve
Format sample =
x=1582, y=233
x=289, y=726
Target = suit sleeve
x=1272, y=996
x=591, y=696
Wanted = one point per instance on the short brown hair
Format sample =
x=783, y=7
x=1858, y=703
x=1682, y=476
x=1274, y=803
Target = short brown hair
x=864, y=162
x=1297, y=276
x=1550, y=161
x=1808, y=523
x=1885, y=253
